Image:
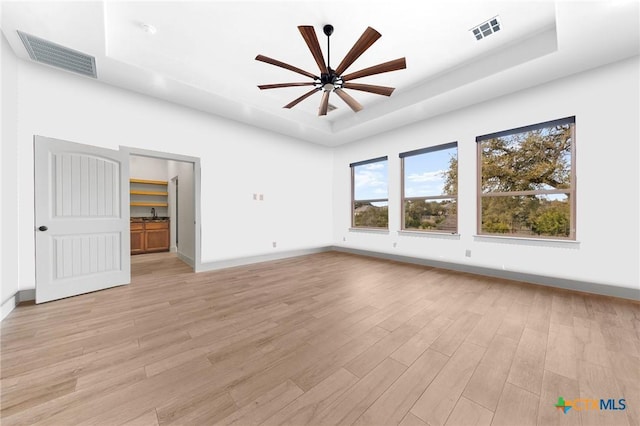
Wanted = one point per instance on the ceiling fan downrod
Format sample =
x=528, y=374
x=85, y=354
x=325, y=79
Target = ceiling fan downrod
x=329, y=81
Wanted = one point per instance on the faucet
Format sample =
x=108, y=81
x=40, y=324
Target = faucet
x=153, y=213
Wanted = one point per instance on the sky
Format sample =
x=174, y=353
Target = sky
x=371, y=181
x=425, y=173
x=424, y=176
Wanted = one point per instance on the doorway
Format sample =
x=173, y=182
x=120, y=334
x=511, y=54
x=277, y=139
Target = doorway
x=179, y=209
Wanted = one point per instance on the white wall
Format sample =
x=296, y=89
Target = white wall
x=9, y=213
x=150, y=169
x=236, y=160
x=605, y=103
x=304, y=208
x=186, y=213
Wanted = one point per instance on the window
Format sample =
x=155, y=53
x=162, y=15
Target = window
x=526, y=181
x=430, y=189
x=369, y=194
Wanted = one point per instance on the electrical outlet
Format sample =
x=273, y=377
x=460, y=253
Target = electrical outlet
x=255, y=196
x=467, y=253
x=395, y=245
x=261, y=197
x=344, y=238
x=274, y=244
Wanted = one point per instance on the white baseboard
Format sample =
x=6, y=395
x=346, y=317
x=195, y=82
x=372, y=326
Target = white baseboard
x=186, y=259
x=581, y=286
x=562, y=283
x=241, y=261
x=11, y=303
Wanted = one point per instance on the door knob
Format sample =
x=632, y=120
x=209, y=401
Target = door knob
x=42, y=228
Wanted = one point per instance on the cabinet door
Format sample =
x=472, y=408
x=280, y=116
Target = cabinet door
x=156, y=237
x=137, y=241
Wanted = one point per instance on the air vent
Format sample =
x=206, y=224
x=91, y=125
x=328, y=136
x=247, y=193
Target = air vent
x=330, y=108
x=44, y=51
x=486, y=28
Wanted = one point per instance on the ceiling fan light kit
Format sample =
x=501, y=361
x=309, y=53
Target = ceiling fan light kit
x=331, y=80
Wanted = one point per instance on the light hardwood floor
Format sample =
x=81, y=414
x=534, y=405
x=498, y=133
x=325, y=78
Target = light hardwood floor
x=324, y=339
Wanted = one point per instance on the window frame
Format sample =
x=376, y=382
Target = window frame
x=421, y=151
x=570, y=191
x=353, y=166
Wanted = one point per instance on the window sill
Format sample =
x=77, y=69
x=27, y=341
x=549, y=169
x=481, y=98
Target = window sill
x=370, y=230
x=554, y=242
x=430, y=234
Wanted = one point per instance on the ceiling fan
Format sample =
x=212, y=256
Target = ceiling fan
x=331, y=80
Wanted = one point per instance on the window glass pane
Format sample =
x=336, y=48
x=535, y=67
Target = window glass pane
x=434, y=215
x=527, y=216
x=372, y=215
x=371, y=181
x=431, y=173
x=533, y=160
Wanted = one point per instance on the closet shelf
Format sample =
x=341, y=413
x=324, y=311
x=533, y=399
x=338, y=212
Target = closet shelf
x=147, y=204
x=138, y=192
x=149, y=182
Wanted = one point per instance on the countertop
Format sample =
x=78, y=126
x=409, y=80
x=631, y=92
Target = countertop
x=149, y=219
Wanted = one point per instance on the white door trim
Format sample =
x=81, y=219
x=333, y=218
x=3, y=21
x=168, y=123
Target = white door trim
x=197, y=264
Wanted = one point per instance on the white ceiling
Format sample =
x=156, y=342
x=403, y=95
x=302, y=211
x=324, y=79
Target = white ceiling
x=202, y=54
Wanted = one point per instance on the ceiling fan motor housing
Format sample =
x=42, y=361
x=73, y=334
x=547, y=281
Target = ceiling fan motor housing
x=330, y=81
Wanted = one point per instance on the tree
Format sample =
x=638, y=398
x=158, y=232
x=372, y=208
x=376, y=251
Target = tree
x=451, y=177
x=553, y=221
x=368, y=215
x=528, y=161
x=538, y=159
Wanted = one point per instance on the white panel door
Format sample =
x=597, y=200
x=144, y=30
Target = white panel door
x=82, y=218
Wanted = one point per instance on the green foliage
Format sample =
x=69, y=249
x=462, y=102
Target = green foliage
x=526, y=215
x=553, y=221
x=435, y=215
x=538, y=159
x=370, y=216
x=451, y=177
x=534, y=160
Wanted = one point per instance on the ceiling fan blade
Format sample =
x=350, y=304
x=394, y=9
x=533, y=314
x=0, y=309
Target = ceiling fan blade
x=301, y=98
x=277, y=63
x=365, y=41
x=378, y=90
x=279, y=85
x=310, y=37
x=355, y=105
x=324, y=104
x=396, y=64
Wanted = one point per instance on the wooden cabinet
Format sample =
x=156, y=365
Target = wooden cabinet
x=156, y=236
x=137, y=237
x=149, y=237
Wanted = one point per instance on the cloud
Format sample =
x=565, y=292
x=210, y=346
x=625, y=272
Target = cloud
x=370, y=184
x=369, y=179
x=435, y=176
x=373, y=166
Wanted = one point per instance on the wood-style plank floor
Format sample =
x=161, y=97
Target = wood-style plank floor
x=323, y=339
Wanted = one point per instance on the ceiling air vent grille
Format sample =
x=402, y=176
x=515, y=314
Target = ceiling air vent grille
x=486, y=28
x=49, y=53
